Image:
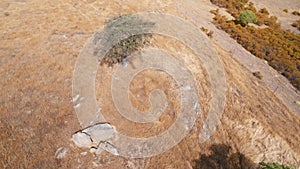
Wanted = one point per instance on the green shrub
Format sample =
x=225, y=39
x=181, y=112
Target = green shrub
x=274, y=166
x=125, y=24
x=125, y=47
x=246, y=17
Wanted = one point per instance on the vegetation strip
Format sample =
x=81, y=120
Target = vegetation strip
x=281, y=48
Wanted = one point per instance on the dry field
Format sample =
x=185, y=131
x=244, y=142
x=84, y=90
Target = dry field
x=40, y=42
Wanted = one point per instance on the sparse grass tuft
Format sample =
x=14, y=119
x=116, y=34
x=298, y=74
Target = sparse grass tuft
x=264, y=11
x=296, y=24
x=209, y=33
x=258, y=75
x=297, y=13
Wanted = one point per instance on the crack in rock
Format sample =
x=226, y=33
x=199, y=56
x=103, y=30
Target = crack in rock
x=82, y=140
x=100, y=132
x=96, y=136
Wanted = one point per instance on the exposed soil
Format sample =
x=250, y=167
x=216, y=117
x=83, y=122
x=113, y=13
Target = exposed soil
x=276, y=9
x=39, y=44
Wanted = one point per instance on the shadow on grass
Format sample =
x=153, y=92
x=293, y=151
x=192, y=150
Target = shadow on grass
x=222, y=158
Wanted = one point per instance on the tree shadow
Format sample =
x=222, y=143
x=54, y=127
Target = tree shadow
x=222, y=158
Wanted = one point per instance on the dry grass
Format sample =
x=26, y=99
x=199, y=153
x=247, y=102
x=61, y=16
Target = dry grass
x=37, y=57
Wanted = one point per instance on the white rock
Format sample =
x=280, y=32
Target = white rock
x=82, y=140
x=99, y=151
x=76, y=106
x=75, y=98
x=185, y=87
x=93, y=150
x=61, y=152
x=100, y=132
x=107, y=146
x=83, y=153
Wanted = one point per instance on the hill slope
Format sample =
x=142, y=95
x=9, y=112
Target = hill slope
x=40, y=43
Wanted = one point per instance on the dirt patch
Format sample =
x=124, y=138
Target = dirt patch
x=140, y=88
x=145, y=82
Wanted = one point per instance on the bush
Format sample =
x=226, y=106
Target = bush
x=264, y=11
x=246, y=17
x=258, y=75
x=120, y=25
x=207, y=32
x=210, y=33
x=297, y=13
x=296, y=24
x=125, y=48
x=273, y=166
